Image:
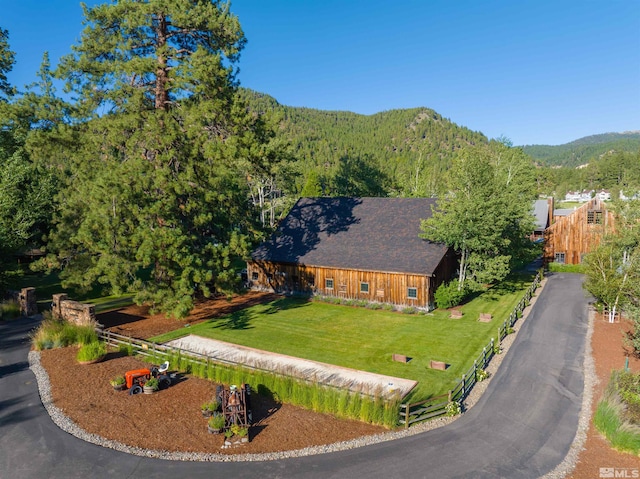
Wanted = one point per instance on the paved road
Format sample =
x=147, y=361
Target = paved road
x=522, y=427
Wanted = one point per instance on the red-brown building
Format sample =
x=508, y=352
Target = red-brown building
x=577, y=233
x=358, y=248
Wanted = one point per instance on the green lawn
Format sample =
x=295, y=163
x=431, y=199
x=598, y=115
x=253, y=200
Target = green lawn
x=365, y=339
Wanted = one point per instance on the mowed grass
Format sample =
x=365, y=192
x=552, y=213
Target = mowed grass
x=365, y=339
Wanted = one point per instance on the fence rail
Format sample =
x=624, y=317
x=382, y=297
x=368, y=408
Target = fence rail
x=411, y=413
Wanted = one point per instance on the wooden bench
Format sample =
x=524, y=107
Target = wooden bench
x=440, y=365
x=456, y=314
x=484, y=317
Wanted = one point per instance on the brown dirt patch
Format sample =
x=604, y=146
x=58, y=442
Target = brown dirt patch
x=608, y=354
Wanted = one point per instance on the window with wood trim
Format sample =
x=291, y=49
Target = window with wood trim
x=254, y=276
x=559, y=258
x=364, y=287
x=594, y=217
x=328, y=283
x=412, y=293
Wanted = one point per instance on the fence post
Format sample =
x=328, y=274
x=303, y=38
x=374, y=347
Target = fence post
x=406, y=416
x=464, y=386
x=449, y=394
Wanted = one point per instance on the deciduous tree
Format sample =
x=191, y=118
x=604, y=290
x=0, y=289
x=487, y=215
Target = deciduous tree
x=486, y=214
x=612, y=270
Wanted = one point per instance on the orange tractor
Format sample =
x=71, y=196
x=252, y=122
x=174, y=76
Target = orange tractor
x=137, y=378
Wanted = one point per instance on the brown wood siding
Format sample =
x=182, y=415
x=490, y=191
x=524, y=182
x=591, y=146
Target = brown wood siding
x=574, y=235
x=382, y=286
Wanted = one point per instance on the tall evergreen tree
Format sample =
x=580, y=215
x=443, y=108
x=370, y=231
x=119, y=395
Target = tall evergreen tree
x=159, y=182
x=7, y=59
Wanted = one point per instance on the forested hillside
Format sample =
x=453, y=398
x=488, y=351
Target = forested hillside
x=404, y=152
x=585, y=149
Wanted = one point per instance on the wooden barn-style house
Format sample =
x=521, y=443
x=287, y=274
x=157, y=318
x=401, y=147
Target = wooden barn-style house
x=576, y=233
x=359, y=248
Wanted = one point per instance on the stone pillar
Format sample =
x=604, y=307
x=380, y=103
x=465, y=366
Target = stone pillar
x=27, y=300
x=56, y=304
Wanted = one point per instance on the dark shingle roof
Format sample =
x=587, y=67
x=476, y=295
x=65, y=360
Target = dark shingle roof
x=541, y=213
x=373, y=234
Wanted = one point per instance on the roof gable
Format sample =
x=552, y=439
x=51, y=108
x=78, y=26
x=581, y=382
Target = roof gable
x=373, y=234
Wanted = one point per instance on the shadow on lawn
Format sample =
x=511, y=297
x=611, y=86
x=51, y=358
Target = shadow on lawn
x=240, y=320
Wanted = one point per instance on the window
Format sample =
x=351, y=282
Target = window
x=594, y=217
x=295, y=278
x=254, y=276
x=412, y=293
x=559, y=258
x=364, y=287
x=328, y=283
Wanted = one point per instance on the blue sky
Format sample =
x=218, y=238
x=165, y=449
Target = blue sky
x=537, y=72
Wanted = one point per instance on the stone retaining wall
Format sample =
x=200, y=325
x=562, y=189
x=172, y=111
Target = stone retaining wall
x=73, y=311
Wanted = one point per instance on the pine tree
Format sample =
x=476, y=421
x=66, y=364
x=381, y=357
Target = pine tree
x=159, y=181
x=7, y=59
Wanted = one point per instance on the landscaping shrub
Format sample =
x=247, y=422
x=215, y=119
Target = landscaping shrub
x=565, y=268
x=85, y=334
x=54, y=333
x=453, y=408
x=125, y=349
x=92, y=351
x=628, y=385
x=9, y=310
x=447, y=295
x=615, y=417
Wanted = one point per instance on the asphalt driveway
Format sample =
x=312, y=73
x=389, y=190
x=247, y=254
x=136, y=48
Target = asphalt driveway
x=522, y=427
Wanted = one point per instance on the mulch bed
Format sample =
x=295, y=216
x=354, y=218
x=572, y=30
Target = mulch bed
x=171, y=420
x=608, y=353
